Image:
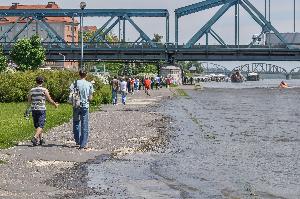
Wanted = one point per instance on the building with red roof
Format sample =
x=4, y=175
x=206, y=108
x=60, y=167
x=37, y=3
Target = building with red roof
x=62, y=25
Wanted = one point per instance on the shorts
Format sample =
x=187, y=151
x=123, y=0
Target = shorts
x=39, y=118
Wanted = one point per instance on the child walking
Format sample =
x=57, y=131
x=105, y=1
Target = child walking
x=37, y=100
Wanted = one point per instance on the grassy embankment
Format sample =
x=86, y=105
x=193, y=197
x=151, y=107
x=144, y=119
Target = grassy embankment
x=15, y=128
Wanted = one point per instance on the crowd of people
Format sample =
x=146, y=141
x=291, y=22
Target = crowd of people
x=130, y=85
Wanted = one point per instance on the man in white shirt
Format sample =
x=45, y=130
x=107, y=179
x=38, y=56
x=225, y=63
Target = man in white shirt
x=124, y=90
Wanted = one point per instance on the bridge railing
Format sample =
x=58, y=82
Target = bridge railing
x=143, y=45
x=106, y=45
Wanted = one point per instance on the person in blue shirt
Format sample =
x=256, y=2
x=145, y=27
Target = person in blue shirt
x=81, y=114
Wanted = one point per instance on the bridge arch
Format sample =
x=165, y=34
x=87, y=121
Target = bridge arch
x=261, y=68
x=214, y=68
x=294, y=70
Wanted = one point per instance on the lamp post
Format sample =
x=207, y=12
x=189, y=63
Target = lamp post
x=82, y=6
x=99, y=60
x=294, y=16
x=64, y=58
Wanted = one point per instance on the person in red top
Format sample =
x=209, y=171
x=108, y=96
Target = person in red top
x=147, y=84
x=132, y=86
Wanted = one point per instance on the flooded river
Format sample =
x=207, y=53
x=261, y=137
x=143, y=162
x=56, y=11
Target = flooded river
x=227, y=141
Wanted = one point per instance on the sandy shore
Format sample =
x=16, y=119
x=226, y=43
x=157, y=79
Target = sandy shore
x=52, y=171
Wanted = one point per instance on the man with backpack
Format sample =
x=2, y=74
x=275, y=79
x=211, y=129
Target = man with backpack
x=81, y=112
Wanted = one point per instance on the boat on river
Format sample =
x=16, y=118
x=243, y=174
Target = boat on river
x=252, y=76
x=237, y=77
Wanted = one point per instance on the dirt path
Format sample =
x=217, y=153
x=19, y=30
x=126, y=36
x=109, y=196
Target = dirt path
x=26, y=171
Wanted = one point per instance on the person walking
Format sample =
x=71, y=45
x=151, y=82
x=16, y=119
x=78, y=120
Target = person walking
x=81, y=114
x=115, y=87
x=37, y=101
x=132, y=81
x=124, y=90
x=147, y=84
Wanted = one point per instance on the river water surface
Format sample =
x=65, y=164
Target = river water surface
x=227, y=141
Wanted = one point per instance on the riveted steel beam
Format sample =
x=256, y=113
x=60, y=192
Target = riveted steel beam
x=86, y=12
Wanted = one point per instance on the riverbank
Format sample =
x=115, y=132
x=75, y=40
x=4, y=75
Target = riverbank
x=224, y=143
x=43, y=171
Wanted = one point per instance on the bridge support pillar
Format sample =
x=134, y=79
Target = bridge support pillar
x=289, y=76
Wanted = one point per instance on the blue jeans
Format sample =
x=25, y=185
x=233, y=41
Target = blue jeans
x=123, y=93
x=81, y=126
x=114, y=96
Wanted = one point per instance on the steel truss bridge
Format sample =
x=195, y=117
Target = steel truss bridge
x=266, y=68
x=210, y=68
x=261, y=68
x=143, y=48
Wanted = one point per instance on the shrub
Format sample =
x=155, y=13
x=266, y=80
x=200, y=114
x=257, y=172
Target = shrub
x=14, y=87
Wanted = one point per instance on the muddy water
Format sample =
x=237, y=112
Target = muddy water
x=225, y=143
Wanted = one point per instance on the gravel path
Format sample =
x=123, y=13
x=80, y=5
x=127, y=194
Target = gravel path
x=48, y=171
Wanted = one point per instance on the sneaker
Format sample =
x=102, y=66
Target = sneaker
x=42, y=141
x=34, y=141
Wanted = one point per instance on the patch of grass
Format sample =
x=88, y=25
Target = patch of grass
x=3, y=162
x=181, y=92
x=15, y=128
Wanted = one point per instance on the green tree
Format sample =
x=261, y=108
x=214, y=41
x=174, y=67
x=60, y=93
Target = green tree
x=186, y=65
x=28, y=54
x=157, y=38
x=87, y=35
x=3, y=61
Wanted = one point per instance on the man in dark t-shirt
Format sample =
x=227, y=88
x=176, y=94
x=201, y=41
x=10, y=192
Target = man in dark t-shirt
x=115, y=87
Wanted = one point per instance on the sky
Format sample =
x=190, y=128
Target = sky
x=281, y=18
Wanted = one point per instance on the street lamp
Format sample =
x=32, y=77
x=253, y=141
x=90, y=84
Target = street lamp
x=64, y=60
x=82, y=6
x=99, y=60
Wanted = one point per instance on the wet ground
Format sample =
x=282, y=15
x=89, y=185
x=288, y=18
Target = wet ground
x=224, y=143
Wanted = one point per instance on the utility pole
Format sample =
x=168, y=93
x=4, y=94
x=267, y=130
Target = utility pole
x=294, y=15
x=82, y=6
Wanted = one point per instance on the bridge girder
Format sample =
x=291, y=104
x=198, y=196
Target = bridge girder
x=85, y=12
x=225, y=5
x=40, y=15
x=163, y=52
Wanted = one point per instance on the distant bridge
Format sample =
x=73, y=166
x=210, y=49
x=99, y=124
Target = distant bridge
x=267, y=68
x=210, y=68
x=261, y=68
